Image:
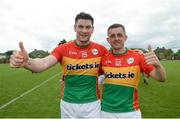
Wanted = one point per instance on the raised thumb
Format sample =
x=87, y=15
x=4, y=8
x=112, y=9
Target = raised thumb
x=21, y=46
x=149, y=48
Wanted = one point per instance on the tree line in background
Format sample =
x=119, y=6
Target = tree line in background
x=162, y=53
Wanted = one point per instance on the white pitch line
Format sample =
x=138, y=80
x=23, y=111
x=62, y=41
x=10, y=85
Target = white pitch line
x=27, y=92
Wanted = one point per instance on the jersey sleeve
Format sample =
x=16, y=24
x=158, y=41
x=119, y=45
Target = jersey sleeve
x=105, y=50
x=100, y=72
x=57, y=52
x=104, y=53
x=144, y=66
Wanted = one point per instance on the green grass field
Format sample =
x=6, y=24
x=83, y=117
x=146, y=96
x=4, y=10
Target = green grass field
x=41, y=100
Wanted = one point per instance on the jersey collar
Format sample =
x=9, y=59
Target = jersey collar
x=118, y=54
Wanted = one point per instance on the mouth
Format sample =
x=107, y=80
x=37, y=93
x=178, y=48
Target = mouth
x=117, y=43
x=84, y=36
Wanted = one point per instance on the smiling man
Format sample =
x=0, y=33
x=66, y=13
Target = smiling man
x=122, y=68
x=80, y=61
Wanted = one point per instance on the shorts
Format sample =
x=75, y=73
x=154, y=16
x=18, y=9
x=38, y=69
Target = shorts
x=131, y=115
x=85, y=110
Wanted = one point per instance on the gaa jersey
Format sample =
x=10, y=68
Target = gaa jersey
x=122, y=75
x=80, y=68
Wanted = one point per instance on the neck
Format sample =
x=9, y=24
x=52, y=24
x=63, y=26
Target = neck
x=119, y=51
x=82, y=44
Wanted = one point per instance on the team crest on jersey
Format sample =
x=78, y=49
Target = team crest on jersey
x=94, y=51
x=130, y=60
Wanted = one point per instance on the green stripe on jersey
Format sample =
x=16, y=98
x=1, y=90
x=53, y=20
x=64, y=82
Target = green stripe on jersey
x=117, y=98
x=80, y=89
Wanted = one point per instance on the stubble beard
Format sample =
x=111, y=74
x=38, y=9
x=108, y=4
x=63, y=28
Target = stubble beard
x=84, y=40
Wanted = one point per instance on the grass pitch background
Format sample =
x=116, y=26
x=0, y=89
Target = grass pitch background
x=156, y=100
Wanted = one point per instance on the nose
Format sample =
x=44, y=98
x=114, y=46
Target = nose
x=116, y=37
x=84, y=30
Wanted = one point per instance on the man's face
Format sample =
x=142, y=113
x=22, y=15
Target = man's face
x=83, y=29
x=116, y=38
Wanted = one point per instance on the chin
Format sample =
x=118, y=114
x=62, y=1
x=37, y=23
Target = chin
x=116, y=48
x=84, y=40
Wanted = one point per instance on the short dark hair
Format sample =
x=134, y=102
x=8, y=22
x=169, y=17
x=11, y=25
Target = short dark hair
x=83, y=15
x=116, y=26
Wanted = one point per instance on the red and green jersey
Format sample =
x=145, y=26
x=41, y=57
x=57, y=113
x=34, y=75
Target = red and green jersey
x=80, y=68
x=122, y=75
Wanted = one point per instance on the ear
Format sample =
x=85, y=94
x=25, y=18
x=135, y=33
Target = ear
x=108, y=40
x=92, y=29
x=126, y=37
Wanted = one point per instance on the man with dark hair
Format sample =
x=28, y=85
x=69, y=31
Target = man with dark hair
x=84, y=15
x=80, y=62
x=122, y=68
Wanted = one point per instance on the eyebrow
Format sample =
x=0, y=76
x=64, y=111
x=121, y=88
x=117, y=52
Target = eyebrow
x=118, y=34
x=87, y=26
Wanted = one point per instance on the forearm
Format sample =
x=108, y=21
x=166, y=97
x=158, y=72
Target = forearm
x=39, y=65
x=35, y=65
x=160, y=73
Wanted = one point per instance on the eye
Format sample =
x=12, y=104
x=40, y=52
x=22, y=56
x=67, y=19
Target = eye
x=88, y=27
x=119, y=35
x=80, y=26
x=112, y=36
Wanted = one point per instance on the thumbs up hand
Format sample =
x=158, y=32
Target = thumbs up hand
x=19, y=58
x=151, y=58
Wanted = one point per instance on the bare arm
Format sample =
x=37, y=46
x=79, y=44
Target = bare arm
x=21, y=59
x=39, y=65
x=159, y=73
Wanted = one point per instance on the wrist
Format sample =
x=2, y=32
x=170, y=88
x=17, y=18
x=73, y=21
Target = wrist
x=158, y=66
x=27, y=63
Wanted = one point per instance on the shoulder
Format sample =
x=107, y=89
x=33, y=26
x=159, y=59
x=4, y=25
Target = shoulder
x=108, y=55
x=65, y=45
x=68, y=44
x=97, y=44
x=107, y=59
x=132, y=51
x=99, y=47
x=136, y=53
